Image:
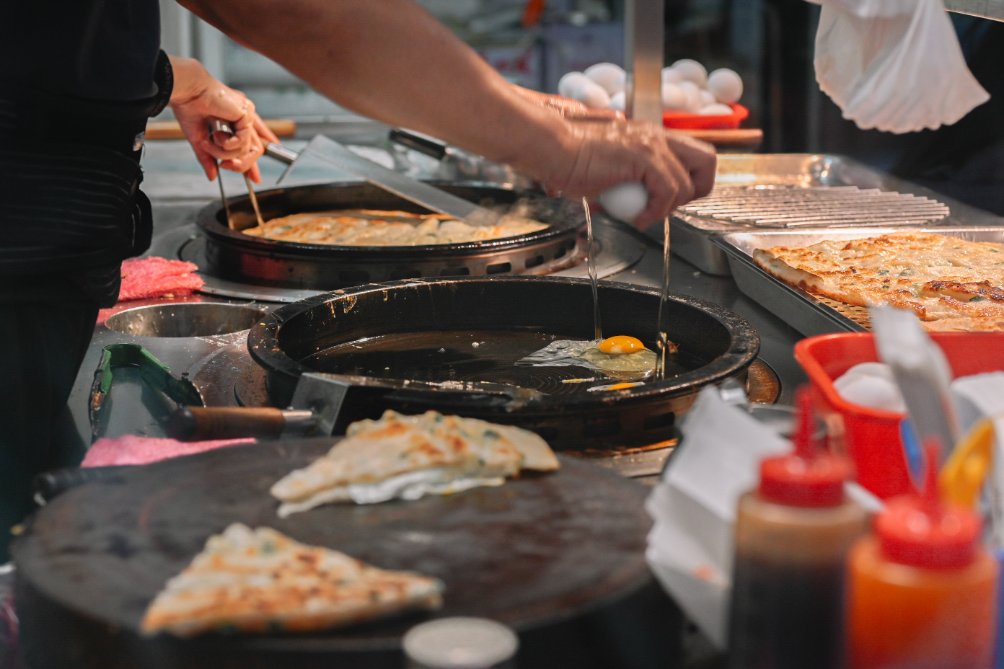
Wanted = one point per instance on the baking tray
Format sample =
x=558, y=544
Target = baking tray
x=692, y=236
x=812, y=314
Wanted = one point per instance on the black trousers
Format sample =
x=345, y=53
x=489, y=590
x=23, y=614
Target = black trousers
x=43, y=345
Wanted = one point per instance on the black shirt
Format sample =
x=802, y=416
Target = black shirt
x=96, y=49
x=78, y=80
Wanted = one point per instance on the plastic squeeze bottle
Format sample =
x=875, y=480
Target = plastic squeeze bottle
x=792, y=535
x=921, y=588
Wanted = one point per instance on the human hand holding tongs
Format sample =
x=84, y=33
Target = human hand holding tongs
x=219, y=132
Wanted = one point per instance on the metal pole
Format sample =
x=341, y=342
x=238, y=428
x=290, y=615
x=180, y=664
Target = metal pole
x=644, y=26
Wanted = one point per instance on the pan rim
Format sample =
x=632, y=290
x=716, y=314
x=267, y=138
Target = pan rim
x=744, y=344
x=208, y=222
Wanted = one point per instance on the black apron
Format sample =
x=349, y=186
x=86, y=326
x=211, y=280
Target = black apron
x=78, y=81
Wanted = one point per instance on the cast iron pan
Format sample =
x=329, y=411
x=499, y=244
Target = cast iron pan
x=466, y=334
x=532, y=553
x=231, y=254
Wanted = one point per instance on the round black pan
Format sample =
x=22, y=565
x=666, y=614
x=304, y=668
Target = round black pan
x=532, y=553
x=231, y=254
x=466, y=334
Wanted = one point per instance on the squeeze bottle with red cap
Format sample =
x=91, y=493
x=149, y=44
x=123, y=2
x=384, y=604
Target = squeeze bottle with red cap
x=792, y=536
x=921, y=588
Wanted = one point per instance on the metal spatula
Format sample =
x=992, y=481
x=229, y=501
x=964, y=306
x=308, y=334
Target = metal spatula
x=430, y=197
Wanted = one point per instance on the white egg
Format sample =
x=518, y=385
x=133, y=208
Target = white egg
x=591, y=94
x=671, y=76
x=692, y=96
x=717, y=109
x=608, y=75
x=707, y=98
x=625, y=201
x=725, y=85
x=673, y=99
x=618, y=101
x=879, y=369
x=691, y=70
x=570, y=81
x=870, y=391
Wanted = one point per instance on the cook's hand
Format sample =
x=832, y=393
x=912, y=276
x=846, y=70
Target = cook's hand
x=197, y=99
x=673, y=168
x=567, y=107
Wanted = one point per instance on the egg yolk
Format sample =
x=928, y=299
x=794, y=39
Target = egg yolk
x=620, y=345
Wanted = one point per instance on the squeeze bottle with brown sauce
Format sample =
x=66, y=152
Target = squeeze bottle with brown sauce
x=921, y=588
x=792, y=536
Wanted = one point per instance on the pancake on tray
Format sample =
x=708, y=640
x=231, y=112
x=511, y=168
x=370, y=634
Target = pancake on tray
x=950, y=283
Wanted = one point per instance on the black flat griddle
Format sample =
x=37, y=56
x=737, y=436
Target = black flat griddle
x=233, y=255
x=465, y=334
x=532, y=553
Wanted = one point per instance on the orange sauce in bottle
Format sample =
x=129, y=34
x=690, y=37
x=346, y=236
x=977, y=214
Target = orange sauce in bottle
x=908, y=616
x=922, y=591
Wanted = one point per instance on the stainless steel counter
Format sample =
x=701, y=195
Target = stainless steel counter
x=178, y=189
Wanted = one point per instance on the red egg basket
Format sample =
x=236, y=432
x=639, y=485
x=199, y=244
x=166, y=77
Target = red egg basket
x=873, y=436
x=687, y=121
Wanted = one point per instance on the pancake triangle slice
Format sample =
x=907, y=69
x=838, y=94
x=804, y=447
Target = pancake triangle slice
x=260, y=580
x=406, y=457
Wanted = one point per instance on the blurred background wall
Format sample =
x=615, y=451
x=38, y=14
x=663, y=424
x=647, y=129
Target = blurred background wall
x=769, y=42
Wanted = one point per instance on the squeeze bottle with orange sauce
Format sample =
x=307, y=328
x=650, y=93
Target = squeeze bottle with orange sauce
x=792, y=536
x=921, y=588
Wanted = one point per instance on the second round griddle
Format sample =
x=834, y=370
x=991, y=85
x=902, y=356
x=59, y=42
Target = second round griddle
x=533, y=552
x=466, y=336
x=230, y=254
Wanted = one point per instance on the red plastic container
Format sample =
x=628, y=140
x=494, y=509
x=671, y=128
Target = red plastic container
x=685, y=121
x=873, y=436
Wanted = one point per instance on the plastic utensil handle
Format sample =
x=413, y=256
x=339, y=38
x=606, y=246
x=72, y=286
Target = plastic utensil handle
x=48, y=485
x=962, y=475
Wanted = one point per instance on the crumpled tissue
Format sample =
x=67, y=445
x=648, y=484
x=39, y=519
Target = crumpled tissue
x=691, y=544
x=893, y=65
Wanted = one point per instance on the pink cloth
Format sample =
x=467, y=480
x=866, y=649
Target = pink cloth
x=152, y=276
x=134, y=450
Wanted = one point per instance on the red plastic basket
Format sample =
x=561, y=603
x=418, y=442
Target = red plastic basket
x=873, y=436
x=686, y=121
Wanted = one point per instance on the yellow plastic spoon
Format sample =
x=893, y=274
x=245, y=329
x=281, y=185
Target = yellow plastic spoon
x=963, y=474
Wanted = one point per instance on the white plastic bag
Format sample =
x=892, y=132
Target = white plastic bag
x=893, y=65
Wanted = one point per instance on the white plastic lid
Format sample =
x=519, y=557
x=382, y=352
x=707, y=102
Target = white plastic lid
x=460, y=643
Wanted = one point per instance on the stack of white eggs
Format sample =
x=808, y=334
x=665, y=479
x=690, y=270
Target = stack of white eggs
x=687, y=87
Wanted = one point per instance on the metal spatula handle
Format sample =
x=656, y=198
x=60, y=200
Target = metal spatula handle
x=221, y=127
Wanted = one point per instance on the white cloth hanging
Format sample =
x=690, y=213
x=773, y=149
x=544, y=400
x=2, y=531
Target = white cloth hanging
x=893, y=65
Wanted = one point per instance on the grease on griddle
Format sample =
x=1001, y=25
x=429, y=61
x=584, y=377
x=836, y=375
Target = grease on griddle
x=485, y=356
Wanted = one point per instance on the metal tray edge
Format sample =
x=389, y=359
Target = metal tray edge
x=796, y=307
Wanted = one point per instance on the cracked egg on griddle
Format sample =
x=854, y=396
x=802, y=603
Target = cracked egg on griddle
x=621, y=357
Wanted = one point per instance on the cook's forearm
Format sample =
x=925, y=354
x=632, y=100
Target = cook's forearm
x=391, y=61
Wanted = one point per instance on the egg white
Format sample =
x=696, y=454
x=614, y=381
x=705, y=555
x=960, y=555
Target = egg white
x=567, y=352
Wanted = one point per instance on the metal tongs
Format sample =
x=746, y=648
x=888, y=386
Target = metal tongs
x=222, y=129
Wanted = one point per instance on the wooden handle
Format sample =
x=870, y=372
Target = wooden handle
x=197, y=423
x=728, y=137
x=282, y=127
